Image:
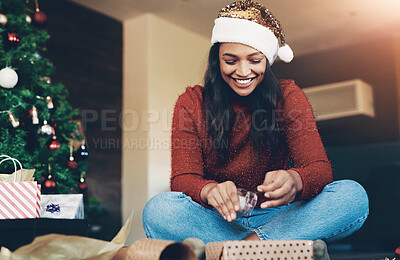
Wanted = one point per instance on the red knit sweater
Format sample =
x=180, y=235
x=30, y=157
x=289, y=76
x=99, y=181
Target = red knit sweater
x=194, y=164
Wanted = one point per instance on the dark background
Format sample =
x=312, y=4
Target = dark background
x=86, y=50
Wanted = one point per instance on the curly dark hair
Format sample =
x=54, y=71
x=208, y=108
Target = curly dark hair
x=217, y=97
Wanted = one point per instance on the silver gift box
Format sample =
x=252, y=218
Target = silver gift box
x=71, y=206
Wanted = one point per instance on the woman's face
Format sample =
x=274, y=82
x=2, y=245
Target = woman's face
x=242, y=67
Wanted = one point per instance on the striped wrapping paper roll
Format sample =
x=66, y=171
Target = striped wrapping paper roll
x=19, y=200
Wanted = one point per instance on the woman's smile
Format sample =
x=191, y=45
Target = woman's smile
x=243, y=83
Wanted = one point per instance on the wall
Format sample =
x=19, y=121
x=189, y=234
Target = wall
x=160, y=60
x=86, y=50
x=373, y=62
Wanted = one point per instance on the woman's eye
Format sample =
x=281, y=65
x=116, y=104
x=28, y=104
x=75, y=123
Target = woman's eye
x=255, y=61
x=230, y=62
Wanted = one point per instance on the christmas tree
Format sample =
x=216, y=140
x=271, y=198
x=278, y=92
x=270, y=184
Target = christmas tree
x=36, y=125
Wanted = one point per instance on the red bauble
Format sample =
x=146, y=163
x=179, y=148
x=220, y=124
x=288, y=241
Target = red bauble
x=49, y=185
x=397, y=252
x=82, y=186
x=72, y=164
x=53, y=144
x=13, y=38
x=39, y=18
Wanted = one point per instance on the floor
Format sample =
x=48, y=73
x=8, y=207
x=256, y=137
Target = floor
x=362, y=251
x=334, y=255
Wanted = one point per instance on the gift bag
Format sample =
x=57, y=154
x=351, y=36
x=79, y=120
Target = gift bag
x=19, y=194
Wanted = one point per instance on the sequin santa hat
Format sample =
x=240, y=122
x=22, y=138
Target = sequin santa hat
x=252, y=24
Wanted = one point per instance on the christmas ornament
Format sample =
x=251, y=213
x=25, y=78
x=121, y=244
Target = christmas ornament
x=397, y=252
x=13, y=120
x=72, y=164
x=8, y=78
x=49, y=102
x=13, y=38
x=82, y=153
x=3, y=19
x=28, y=19
x=45, y=129
x=49, y=184
x=39, y=18
x=37, y=55
x=82, y=185
x=53, y=144
x=46, y=80
x=35, y=119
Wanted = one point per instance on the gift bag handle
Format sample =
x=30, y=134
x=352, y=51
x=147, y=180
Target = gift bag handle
x=7, y=158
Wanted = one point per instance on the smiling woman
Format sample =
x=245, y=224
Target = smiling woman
x=255, y=122
x=242, y=67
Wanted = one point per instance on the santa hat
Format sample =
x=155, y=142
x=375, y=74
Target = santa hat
x=252, y=24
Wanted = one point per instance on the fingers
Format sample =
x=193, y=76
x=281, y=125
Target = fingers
x=280, y=197
x=227, y=206
x=273, y=203
x=279, y=188
x=223, y=197
x=273, y=180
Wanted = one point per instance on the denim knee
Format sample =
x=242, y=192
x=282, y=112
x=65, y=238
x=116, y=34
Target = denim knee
x=352, y=207
x=353, y=197
x=158, y=210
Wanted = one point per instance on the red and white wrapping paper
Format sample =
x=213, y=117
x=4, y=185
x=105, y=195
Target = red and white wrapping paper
x=19, y=200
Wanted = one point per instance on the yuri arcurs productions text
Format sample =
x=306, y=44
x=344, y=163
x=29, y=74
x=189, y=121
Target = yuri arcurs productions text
x=127, y=144
x=146, y=144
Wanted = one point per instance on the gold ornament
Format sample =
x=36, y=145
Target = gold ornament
x=35, y=118
x=13, y=120
x=49, y=102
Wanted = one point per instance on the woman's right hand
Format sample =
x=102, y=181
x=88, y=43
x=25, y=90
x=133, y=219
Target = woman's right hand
x=223, y=197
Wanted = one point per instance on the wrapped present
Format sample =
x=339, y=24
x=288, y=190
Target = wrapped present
x=265, y=249
x=62, y=206
x=19, y=194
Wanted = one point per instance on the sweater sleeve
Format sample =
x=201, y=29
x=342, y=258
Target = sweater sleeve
x=187, y=168
x=305, y=145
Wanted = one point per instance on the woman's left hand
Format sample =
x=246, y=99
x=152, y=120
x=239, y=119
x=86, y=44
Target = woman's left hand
x=280, y=187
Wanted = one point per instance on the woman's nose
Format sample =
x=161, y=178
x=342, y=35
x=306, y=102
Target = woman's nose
x=243, y=69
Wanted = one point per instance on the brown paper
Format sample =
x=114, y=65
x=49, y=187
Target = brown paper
x=18, y=176
x=54, y=247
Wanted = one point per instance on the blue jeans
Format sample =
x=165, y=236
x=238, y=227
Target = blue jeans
x=338, y=211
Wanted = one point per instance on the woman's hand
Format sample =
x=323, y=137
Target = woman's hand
x=280, y=187
x=223, y=197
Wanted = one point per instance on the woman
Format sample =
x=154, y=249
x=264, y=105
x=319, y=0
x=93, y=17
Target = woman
x=239, y=132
